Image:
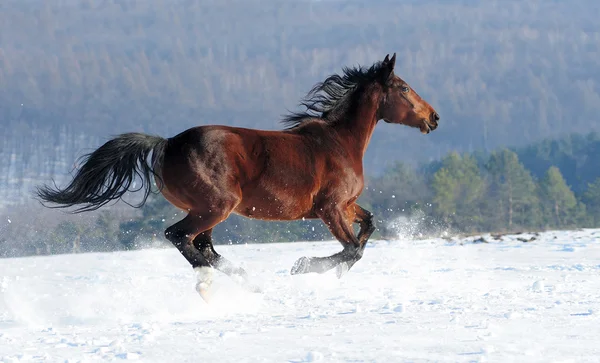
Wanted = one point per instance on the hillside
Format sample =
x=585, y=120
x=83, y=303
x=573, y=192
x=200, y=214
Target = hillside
x=499, y=72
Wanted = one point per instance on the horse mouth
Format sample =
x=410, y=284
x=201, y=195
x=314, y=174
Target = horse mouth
x=428, y=126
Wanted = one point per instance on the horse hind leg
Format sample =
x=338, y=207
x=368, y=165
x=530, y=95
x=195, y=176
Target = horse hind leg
x=203, y=242
x=182, y=235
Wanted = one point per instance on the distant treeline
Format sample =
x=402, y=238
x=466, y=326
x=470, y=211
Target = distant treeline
x=73, y=73
x=554, y=184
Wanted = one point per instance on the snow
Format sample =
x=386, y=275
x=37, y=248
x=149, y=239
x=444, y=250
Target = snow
x=457, y=300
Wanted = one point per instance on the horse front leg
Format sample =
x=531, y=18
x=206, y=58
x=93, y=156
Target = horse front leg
x=364, y=218
x=336, y=219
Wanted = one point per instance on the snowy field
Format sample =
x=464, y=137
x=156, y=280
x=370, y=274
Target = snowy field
x=427, y=300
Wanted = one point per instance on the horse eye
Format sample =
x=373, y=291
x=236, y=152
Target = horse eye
x=405, y=89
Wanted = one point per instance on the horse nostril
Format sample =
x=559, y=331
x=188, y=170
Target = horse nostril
x=435, y=116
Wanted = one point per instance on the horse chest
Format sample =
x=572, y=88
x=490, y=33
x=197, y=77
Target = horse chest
x=354, y=187
x=347, y=184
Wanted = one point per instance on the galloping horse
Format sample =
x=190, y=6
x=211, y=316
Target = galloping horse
x=312, y=169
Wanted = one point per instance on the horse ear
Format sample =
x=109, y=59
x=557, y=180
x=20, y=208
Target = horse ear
x=393, y=62
x=388, y=67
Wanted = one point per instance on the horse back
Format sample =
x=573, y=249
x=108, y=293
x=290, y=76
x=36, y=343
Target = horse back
x=276, y=172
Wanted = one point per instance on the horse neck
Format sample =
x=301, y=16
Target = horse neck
x=357, y=126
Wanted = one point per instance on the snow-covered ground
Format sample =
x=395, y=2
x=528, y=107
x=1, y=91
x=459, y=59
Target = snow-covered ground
x=426, y=300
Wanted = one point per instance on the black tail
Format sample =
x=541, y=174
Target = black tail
x=109, y=172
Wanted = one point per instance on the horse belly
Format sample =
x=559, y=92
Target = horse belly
x=277, y=204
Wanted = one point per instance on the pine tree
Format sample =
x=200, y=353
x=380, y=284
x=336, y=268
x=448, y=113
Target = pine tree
x=400, y=190
x=591, y=198
x=558, y=199
x=458, y=188
x=512, y=189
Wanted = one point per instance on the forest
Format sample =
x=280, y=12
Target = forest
x=505, y=190
x=73, y=73
x=516, y=84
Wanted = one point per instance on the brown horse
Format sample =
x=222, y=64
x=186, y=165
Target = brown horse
x=312, y=169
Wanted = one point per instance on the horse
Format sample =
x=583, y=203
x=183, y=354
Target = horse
x=311, y=169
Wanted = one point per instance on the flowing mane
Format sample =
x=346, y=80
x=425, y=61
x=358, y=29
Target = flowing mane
x=328, y=95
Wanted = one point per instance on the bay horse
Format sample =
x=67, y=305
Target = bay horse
x=313, y=168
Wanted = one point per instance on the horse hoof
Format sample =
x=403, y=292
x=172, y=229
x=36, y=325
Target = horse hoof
x=300, y=266
x=204, y=291
x=341, y=269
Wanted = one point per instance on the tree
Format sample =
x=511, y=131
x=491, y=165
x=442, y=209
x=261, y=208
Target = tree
x=591, y=197
x=157, y=214
x=512, y=189
x=458, y=188
x=66, y=237
x=400, y=190
x=558, y=199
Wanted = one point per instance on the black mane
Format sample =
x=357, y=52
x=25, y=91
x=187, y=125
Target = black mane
x=329, y=94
